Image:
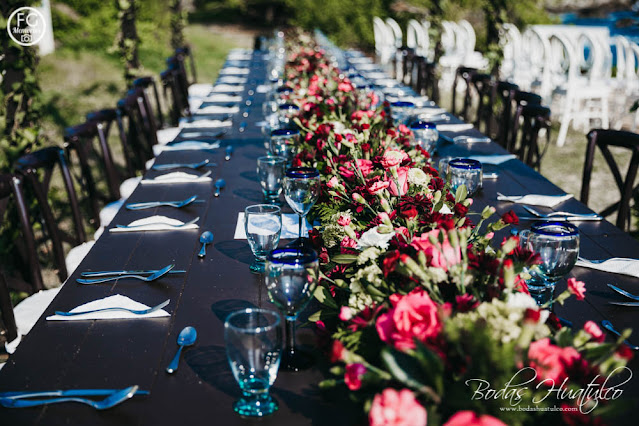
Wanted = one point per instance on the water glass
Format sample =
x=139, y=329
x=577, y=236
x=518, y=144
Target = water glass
x=253, y=339
x=263, y=226
x=284, y=143
x=400, y=111
x=270, y=171
x=291, y=277
x=301, y=189
x=557, y=244
x=287, y=113
x=465, y=171
x=425, y=135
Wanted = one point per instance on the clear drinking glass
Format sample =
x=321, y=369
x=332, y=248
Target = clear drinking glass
x=301, y=189
x=253, y=339
x=263, y=226
x=425, y=134
x=557, y=244
x=270, y=171
x=284, y=143
x=291, y=278
x=465, y=171
x=400, y=111
x=287, y=113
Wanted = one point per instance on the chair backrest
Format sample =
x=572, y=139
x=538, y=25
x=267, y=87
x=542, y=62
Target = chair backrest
x=105, y=119
x=9, y=328
x=24, y=259
x=184, y=52
x=79, y=140
x=534, y=121
x=173, y=96
x=469, y=35
x=139, y=130
x=484, y=87
x=427, y=82
x=505, y=92
x=464, y=74
x=37, y=170
x=396, y=31
x=415, y=37
x=146, y=83
x=384, y=43
x=604, y=139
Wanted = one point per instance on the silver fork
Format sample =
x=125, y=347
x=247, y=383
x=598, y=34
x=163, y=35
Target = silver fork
x=110, y=401
x=117, y=308
x=608, y=326
x=193, y=166
x=152, y=204
x=562, y=214
x=623, y=292
x=148, y=278
x=190, y=222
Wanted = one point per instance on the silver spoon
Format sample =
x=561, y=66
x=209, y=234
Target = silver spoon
x=608, y=326
x=148, y=278
x=152, y=204
x=108, y=402
x=117, y=308
x=186, y=338
x=229, y=152
x=205, y=238
x=219, y=184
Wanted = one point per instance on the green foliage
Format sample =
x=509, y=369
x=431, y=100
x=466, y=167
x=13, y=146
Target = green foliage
x=178, y=22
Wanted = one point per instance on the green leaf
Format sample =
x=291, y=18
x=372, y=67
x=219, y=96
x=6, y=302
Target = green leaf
x=324, y=296
x=344, y=259
x=403, y=367
x=461, y=193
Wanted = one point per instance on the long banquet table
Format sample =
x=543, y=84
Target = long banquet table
x=119, y=353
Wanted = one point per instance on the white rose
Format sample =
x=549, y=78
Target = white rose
x=372, y=238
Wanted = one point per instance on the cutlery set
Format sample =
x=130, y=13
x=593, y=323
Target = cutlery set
x=17, y=400
x=560, y=216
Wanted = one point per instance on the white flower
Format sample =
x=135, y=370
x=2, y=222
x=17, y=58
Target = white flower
x=370, y=253
x=524, y=301
x=445, y=209
x=338, y=127
x=372, y=238
x=418, y=177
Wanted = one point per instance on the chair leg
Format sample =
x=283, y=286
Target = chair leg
x=565, y=122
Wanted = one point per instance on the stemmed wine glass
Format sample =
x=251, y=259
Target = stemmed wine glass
x=301, y=189
x=291, y=278
x=253, y=340
x=557, y=244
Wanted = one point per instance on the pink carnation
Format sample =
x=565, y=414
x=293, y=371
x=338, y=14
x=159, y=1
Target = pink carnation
x=366, y=166
x=413, y=316
x=593, y=329
x=353, y=376
x=334, y=182
x=402, y=179
x=442, y=255
x=393, y=408
x=344, y=220
x=552, y=362
x=348, y=242
x=378, y=187
x=578, y=288
x=393, y=158
x=470, y=418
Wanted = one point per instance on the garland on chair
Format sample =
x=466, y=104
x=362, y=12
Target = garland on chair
x=127, y=39
x=424, y=315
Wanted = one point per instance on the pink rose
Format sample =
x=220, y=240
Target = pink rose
x=552, y=362
x=393, y=158
x=378, y=186
x=402, y=178
x=366, y=166
x=353, y=376
x=441, y=255
x=593, y=329
x=470, y=418
x=413, y=316
x=578, y=288
x=344, y=220
x=334, y=182
x=393, y=408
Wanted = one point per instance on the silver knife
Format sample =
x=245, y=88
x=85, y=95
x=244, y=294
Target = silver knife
x=563, y=218
x=63, y=393
x=625, y=303
x=110, y=273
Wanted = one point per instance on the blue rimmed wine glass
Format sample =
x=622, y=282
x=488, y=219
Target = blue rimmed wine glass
x=291, y=277
x=557, y=244
x=465, y=171
x=284, y=143
x=425, y=135
x=301, y=190
x=253, y=340
x=263, y=227
x=400, y=111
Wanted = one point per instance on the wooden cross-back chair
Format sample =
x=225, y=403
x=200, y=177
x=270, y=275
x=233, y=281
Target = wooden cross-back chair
x=462, y=74
x=105, y=119
x=139, y=126
x=182, y=53
x=520, y=100
x=604, y=140
x=526, y=133
x=505, y=92
x=484, y=85
x=147, y=83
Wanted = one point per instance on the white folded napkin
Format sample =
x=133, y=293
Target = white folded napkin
x=234, y=70
x=184, y=146
x=115, y=301
x=167, y=135
x=492, y=159
x=222, y=97
x=458, y=127
x=366, y=66
x=425, y=111
x=231, y=79
x=376, y=75
x=290, y=227
x=263, y=88
x=217, y=109
x=225, y=88
x=155, y=223
x=177, y=177
x=387, y=82
x=184, y=123
x=535, y=199
x=399, y=94
x=616, y=265
x=200, y=90
x=362, y=60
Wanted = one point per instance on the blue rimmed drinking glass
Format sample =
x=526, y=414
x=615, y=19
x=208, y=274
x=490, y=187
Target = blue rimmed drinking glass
x=557, y=244
x=301, y=190
x=287, y=112
x=400, y=111
x=425, y=135
x=284, y=143
x=291, y=278
x=253, y=340
x=464, y=171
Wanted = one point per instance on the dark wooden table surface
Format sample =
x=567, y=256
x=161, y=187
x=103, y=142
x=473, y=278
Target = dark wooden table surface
x=120, y=353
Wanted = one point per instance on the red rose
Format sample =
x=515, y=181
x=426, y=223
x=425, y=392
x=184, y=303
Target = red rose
x=510, y=217
x=390, y=262
x=353, y=376
x=408, y=211
x=460, y=209
x=532, y=315
x=337, y=351
x=465, y=302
